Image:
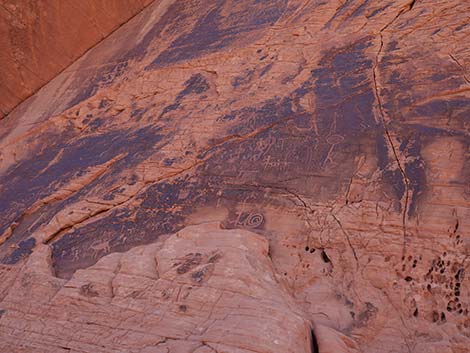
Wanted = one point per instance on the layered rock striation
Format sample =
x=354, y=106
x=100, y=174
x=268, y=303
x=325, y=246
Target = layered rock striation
x=335, y=134
x=39, y=39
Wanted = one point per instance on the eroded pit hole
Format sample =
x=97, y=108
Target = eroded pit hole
x=325, y=257
x=313, y=342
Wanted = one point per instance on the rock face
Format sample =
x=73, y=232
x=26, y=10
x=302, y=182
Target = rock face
x=202, y=290
x=41, y=38
x=336, y=131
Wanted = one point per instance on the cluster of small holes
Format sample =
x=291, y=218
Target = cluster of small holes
x=448, y=275
x=305, y=262
x=443, y=280
x=408, y=265
x=323, y=254
x=309, y=249
x=438, y=317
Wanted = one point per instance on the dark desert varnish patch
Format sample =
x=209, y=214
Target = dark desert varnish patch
x=36, y=178
x=210, y=33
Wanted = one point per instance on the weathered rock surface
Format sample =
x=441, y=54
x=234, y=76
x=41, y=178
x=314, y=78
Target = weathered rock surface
x=38, y=39
x=201, y=290
x=338, y=131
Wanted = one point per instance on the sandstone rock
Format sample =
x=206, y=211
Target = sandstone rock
x=201, y=290
x=41, y=38
x=337, y=131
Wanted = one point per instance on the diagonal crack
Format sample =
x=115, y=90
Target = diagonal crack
x=454, y=59
x=68, y=191
x=56, y=235
x=348, y=239
x=383, y=121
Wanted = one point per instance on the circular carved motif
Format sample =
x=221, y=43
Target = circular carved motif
x=254, y=220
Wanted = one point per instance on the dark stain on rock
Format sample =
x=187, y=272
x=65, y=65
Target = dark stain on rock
x=137, y=114
x=243, y=79
x=23, y=249
x=84, y=94
x=200, y=275
x=271, y=137
x=382, y=151
x=461, y=27
x=457, y=109
x=37, y=177
x=348, y=10
x=377, y=11
x=162, y=211
x=211, y=33
x=118, y=232
x=339, y=11
x=94, y=124
x=391, y=174
x=214, y=258
x=102, y=78
x=369, y=312
x=395, y=179
x=414, y=169
x=266, y=69
x=162, y=195
x=170, y=108
x=196, y=84
x=168, y=162
x=189, y=262
x=360, y=9
x=249, y=119
x=103, y=104
x=345, y=100
x=176, y=15
x=227, y=117
x=87, y=290
x=281, y=143
x=343, y=90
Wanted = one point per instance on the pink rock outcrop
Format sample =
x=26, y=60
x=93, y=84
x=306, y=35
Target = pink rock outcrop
x=336, y=131
x=201, y=290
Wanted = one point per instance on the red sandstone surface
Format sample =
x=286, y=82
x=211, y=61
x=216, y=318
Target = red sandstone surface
x=245, y=176
x=40, y=38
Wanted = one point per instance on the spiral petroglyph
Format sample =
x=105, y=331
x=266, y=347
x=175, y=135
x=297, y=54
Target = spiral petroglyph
x=251, y=220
